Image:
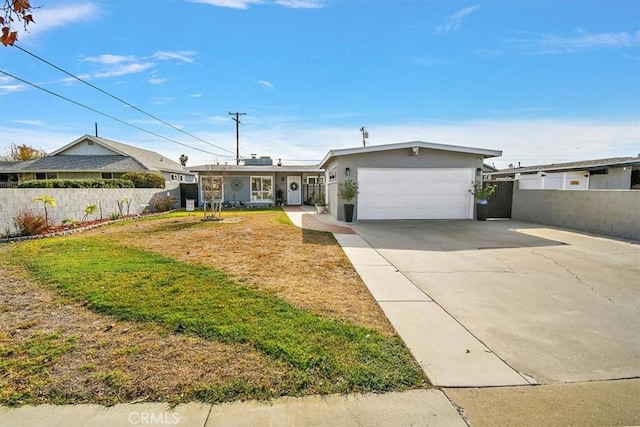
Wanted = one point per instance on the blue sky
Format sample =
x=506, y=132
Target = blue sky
x=543, y=81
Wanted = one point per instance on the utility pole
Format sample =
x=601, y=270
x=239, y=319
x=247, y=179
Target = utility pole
x=365, y=135
x=237, y=120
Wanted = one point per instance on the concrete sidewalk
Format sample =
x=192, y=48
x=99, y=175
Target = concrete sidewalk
x=412, y=408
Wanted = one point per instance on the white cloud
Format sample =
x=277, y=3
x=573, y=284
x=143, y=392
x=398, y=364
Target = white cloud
x=48, y=18
x=108, y=59
x=121, y=65
x=184, y=55
x=124, y=69
x=535, y=43
x=233, y=4
x=195, y=95
x=245, y=4
x=156, y=80
x=28, y=122
x=266, y=84
x=161, y=100
x=301, y=4
x=13, y=88
x=531, y=142
x=456, y=20
x=535, y=141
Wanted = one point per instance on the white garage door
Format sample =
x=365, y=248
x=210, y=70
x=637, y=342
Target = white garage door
x=415, y=193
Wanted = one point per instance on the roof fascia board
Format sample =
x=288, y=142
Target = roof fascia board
x=402, y=145
x=560, y=168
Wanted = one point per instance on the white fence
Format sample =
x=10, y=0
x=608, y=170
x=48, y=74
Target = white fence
x=71, y=202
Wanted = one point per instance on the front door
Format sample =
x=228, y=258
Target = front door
x=294, y=190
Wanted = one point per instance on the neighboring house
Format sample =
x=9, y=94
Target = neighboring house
x=8, y=178
x=600, y=174
x=409, y=180
x=95, y=157
x=260, y=183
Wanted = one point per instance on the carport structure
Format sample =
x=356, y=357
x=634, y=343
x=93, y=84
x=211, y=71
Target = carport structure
x=408, y=180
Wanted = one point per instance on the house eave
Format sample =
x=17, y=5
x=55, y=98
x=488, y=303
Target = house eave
x=586, y=166
x=485, y=153
x=255, y=169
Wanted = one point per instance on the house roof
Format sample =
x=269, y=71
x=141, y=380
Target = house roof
x=256, y=169
x=428, y=145
x=149, y=159
x=76, y=163
x=569, y=166
x=7, y=165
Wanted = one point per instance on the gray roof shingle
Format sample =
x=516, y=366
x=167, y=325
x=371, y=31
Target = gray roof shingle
x=113, y=163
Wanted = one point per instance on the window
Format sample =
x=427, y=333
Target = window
x=47, y=175
x=174, y=177
x=261, y=188
x=333, y=175
x=181, y=178
x=315, y=179
x=111, y=175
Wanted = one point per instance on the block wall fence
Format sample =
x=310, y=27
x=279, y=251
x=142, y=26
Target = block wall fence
x=71, y=202
x=610, y=212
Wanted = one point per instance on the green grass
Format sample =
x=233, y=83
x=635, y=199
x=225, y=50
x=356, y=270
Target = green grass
x=31, y=361
x=132, y=284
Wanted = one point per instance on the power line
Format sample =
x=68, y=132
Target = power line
x=108, y=115
x=120, y=100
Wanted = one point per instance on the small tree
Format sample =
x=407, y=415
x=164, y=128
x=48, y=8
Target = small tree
x=483, y=192
x=23, y=152
x=212, y=189
x=348, y=190
x=46, y=201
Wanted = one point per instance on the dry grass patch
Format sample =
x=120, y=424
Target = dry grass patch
x=262, y=249
x=103, y=360
x=178, y=309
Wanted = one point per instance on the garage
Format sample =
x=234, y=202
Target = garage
x=419, y=193
x=405, y=180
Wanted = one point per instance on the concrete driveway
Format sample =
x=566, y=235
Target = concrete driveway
x=556, y=306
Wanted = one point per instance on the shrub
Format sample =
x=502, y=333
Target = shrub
x=115, y=215
x=70, y=222
x=30, y=224
x=77, y=183
x=145, y=179
x=163, y=204
x=90, y=209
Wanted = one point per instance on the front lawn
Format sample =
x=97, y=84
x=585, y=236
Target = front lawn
x=178, y=309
